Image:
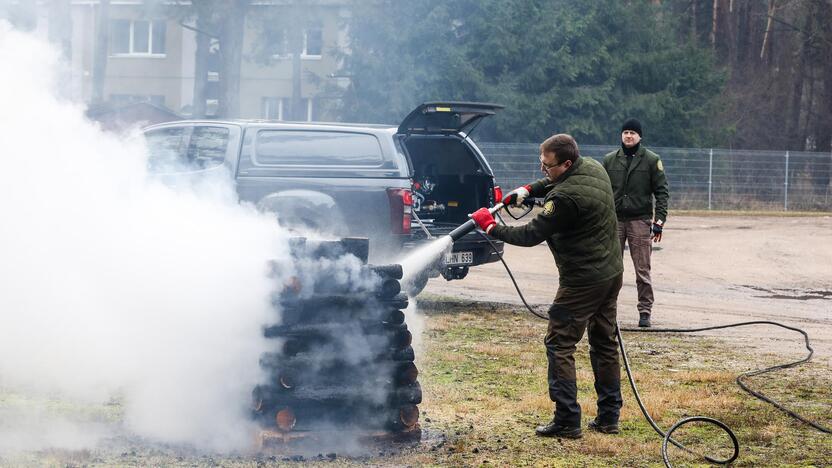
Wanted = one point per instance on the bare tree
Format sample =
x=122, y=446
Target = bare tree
x=99, y=59
x=714, y=22
x=799, y=58
x=205, y=26
x=693, y=33
x=231, y=50
x=296, y=44
x=772, y=6
x=60, y=26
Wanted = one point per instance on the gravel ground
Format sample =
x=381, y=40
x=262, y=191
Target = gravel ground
x=708, y=270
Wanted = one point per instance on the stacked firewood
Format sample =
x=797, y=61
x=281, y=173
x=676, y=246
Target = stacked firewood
x=342, y=354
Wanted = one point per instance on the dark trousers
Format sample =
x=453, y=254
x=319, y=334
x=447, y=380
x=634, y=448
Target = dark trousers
x=575, y=309
x=636, y=233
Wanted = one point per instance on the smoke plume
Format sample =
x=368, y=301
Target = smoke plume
x=114, y=285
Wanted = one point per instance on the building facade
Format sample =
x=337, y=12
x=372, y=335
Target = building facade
x=151, y=53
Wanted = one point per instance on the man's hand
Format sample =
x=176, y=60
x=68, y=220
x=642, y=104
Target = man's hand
x=656, y=231
x=516, y=196
x=484, y=219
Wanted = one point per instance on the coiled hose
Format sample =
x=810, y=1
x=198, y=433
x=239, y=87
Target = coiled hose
x=666, y=436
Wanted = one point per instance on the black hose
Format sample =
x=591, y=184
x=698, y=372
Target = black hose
x=740, y=378
x=666, y=436
x=513, y=281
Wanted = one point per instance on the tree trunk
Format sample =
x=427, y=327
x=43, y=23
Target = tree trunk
x=693, y=35
x=60, y=34
x=60, y=26
x=798, y=79
x=743, y=34
x=231, y=47
x=296, y=41
x=793, y=124
x=203, y=44
x=822, y=92
x=767, y=34
x=714, y=21
x=99, y=59
x=823, y=134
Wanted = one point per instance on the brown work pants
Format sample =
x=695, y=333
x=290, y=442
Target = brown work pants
x=636, y=233
x=575, y=309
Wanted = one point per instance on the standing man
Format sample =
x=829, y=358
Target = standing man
x=578, y=223
x=637, y=178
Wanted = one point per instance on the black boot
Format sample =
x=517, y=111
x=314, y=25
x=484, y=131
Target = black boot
x=603, y=428
x=644, y=319
x=554, y=429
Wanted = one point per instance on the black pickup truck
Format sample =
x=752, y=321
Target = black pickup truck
x=397, y=186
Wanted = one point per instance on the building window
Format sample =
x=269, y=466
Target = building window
x=313, y=42
x=278, y=43
x=306, y=108
x=212, y=107
x=271, y=108
x=275, y=108
x=137, y=37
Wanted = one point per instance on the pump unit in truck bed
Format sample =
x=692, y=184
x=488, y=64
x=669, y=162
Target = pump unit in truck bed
x=397, y=186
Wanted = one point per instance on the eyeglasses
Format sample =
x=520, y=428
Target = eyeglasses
x=548, y=167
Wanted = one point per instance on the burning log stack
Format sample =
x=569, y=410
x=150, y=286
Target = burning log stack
x=342, y=358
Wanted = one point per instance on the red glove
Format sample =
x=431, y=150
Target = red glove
x=516, y=196
x=484, y=219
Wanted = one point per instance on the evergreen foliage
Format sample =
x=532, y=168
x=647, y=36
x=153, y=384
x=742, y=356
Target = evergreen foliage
x=557, y=65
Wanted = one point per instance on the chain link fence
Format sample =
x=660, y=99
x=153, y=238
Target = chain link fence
x=703, y=178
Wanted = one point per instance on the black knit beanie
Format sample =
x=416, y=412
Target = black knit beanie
x=632, y=124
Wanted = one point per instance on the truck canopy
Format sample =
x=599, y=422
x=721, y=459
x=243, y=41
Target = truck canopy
x=446, y=117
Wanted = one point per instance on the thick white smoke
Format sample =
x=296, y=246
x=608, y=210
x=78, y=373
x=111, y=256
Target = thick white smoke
x=113, y=284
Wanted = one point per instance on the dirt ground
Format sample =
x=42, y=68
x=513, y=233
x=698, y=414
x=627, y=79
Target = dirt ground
x=708, y=270
x=481, y=365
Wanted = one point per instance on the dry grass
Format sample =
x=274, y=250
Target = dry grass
x=732, y=213
x=484, y=377
x=483, y=371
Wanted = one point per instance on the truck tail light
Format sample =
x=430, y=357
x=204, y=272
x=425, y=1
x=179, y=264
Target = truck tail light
x=401, y=203
x=498, y=194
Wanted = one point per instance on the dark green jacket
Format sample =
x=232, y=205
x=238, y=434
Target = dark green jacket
x=636, y=186
x=587, y=250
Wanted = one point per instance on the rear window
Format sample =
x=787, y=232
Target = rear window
x=304, y=148
x=208, y=146
x=167, y=151
x=164, y=147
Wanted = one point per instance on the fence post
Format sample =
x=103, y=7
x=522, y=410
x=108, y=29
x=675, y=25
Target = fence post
x=786, y=185
x=710, y=175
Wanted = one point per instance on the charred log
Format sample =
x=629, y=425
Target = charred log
x=388, y=271
x=342, y=354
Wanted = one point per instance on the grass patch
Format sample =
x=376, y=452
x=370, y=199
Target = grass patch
x=483, y=372
x=769, y=213
x=484, y=375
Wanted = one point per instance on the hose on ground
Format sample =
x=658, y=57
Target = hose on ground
x=666, y=436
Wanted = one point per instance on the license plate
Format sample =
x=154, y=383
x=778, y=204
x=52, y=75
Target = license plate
x=459, y=258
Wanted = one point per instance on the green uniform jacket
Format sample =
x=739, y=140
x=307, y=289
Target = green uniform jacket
x=586, y=248
x=636, y=186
